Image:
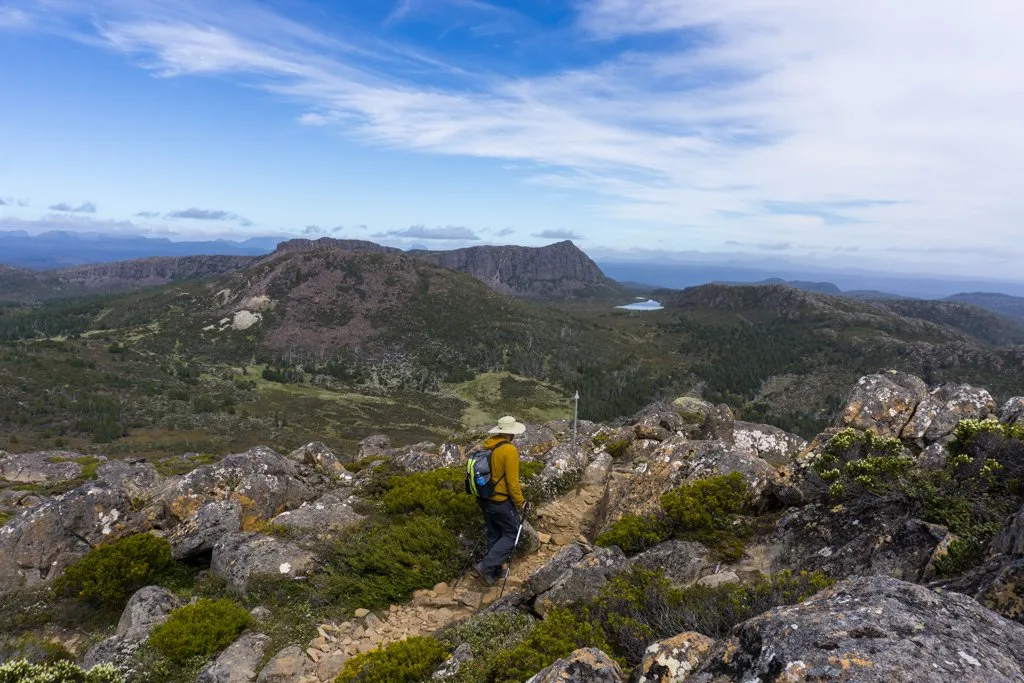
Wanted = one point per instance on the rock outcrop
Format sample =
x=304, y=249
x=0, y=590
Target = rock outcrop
x=239, y=663
x=146, y=609
x=237, y=557
x=884, y=404
x=587, y=665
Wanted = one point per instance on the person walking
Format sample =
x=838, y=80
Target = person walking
x=503, y=508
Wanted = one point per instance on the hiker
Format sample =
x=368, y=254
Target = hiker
x=501, y=499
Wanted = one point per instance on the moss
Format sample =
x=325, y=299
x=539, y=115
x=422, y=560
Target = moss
x=406, y=661
x=201, y=629
x=109, y=574
x=58, y=672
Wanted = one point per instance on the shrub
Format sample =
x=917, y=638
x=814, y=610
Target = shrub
x=617, y=448
x=57, y=672
x=201, y=629
x=706, y=511
x=377, y=564
x=634, y=533
x=406, y=661
x=109, y=574
x=489, y=632
x=439, y=493
x=561, y=633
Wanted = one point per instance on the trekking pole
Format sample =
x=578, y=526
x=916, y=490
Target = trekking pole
x=512, y=553
x=469, y=561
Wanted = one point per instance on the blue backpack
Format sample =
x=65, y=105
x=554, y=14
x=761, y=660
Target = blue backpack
x=478, y=473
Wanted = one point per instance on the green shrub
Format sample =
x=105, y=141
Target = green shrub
x=438, y=493
x=489, y=632
x=634, y=533
x=406, y=661
x=109, y=574
x=967, y=431
x=706, y=511
x=5, y=517
x=377, y=564
x=201, y=629
x=617, y=448
x=557, y=636
x=57, y=672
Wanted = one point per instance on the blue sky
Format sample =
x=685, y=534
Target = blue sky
x=874, y=134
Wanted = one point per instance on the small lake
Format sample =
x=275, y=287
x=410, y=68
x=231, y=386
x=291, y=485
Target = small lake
x=648, y=305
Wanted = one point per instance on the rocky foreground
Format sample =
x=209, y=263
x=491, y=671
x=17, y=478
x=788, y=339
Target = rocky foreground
x=901, y=609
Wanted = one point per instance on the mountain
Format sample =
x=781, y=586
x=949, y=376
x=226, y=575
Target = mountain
x=1003, y=304
x=557, y=271
x=822, y=287
x=63, y=249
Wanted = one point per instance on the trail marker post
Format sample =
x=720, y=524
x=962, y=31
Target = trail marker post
x=575, y=419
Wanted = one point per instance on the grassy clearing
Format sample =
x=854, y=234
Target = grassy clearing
x=491, y=395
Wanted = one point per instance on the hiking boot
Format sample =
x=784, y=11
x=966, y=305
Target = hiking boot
x=478, y=572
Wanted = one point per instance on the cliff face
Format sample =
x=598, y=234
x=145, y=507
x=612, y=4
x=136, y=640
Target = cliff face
x=559, y=270
x=150, y=271
x=301, y=245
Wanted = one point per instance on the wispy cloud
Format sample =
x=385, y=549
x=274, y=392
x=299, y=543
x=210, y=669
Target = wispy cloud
x=558, y=235
x=84, y=207
x=148, y=214
x=450, y=232
x=209, y=215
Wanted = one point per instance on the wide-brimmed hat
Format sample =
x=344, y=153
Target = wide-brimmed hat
x=508, y=425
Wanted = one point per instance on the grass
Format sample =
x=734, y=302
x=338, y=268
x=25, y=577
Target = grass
x=491, y=395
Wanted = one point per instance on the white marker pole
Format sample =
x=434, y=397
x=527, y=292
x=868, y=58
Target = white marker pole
x=575, y=419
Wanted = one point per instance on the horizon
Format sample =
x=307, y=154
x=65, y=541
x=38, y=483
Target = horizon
x=878, y=137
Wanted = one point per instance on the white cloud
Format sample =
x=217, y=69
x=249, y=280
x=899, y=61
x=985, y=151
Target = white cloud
x=799, y=115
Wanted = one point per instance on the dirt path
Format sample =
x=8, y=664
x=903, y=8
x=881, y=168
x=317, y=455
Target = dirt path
x=558, y=524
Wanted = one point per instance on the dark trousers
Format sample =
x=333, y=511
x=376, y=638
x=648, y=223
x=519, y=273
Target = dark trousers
x=501, y=521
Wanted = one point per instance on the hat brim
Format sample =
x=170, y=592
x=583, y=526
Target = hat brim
x=517, y=428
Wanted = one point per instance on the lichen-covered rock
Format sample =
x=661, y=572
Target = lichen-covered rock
x=1010, y=539
x=587, y=665
x=146, y=609
x=702, y=420
x=36, y=546
x=884, y=404
x=237, y=557
x=939, y=412
x=682, y=562
x=327, y=515
x=262, y=481
x=878, y=537
x=998, y=584
x=321, y=458
x=773, y=445
x=290, y=665
x=672, y=660
x=239, y=663
x=871, y=630
x=583, y=579
x=378, y=445
x=200, y=532
x=1012, y=411
x=544, y=578
x=450, y=669
x=536, y=441
x=563, y=470
x=425, y=457
x=41, y=467
x=138, y=479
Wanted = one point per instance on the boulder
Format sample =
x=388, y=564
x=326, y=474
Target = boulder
x=562, y=429
x=326, y=515
x=596, y=473
x=583, y=579
x=773, y=445
x=378, y=445
x=998, y=584
x=536, y=441
x=871, y=630
x=238, y=556
x=672, y=660
x=1010, y=539
x=450, y=669
x=544, y=578
x=138, y=479
x=939, y=413
x=702, y=420
x=199, y=533
x=884, y=404
x=1012, y=411
x=587, y=665
x=873, y=537
x=935, y=456
x=37, y=545
x=290, y=665
x=425, y=457
x=262, y=481
x=42, y=467
x=322, y=459
x=682, y=562
x=146, y=609
x=563, y=470
x=239, y=663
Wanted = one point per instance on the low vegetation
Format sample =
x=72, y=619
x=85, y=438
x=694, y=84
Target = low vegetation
x=59, y=672
x=108, y=574
x=199, y=630
x=407, y=661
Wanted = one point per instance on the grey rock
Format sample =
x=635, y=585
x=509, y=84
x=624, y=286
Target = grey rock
x=682, y=562
x=450, y=669
x=702, y=420
x=264, y=482
x=884, y=404
x=321, y=458
x=425, y=457
x=998, y=584
x=719, y=579
x=238, y=556
x=935, y=456
x=562, y=429
x=564, y=468
x=596, y=473
x=939, y=413
x=138, y=480
x=773, y=445
x=544, y=578
x=872, y=630
x=673, y=659
x=587, y=665
x=37, y=545
x=146, y=609
x=39, y=468
x=326, y=515
x=1012, y=411
x=536, y=441
x=876, y=538
x=200, y=532
x=1010, y=540
x=583, y=579
x=290, y=665
x=239, y=663
x=378, y=445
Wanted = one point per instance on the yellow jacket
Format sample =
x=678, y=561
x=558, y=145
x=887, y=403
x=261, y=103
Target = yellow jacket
x=505, y=470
